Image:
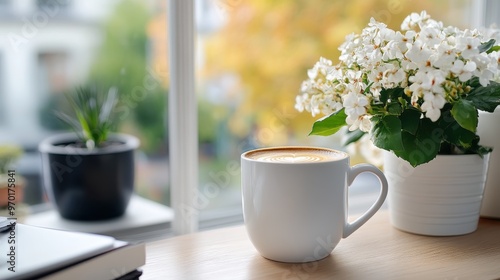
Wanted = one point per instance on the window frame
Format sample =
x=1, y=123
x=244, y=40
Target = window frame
x=483, y=13
x=182, y=121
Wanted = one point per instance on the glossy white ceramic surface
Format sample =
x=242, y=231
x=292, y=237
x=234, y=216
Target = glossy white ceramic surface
x=439, y=198
x=297, y=212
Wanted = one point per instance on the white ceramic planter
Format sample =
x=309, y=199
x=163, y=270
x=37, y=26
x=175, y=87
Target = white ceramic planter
x=439, y=198
x=489, y=131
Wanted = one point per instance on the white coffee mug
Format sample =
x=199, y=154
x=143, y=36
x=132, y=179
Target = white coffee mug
x=295, y=201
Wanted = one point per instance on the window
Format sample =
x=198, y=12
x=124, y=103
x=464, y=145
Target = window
x=45, y=56
x=52, y=72
x=485, y=13
x=251, y=57
x=52, y=82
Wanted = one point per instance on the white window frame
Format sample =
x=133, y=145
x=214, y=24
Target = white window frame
x=182, y=110
x=485, y=12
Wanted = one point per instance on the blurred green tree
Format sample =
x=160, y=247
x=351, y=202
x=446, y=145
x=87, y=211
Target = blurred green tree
x=124, y=61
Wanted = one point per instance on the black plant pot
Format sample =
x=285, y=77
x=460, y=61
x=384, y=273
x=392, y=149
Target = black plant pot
x=89, y=185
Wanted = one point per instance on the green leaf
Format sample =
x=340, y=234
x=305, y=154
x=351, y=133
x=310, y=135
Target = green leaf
x=459, y=136
x=329, y=124
x=428, y=129
x=108, y=105
x=475, y=148
x=410, y=119
x=465, y=113
x=93, y=111
x=367, y=89
x=417, y=149
x=454, y=134
x=75, y=125
x=386, y=133
x=377, y=108
x=393, y=94
x=493, y=49
x=394, y=108
x=482, y=150
x=353, y=136
x=486, y=46
x=486, y=98
x=422, y=146
x=474, y=82
x=403, y=102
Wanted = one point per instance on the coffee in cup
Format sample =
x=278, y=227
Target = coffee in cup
x=295, y=155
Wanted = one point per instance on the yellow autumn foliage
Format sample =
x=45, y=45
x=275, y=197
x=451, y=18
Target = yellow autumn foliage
x=271, y=44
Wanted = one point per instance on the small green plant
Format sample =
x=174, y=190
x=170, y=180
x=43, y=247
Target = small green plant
x=8, y=155
x=93, y=114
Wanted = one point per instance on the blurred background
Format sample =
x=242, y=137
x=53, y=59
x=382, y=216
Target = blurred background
x=251, y=57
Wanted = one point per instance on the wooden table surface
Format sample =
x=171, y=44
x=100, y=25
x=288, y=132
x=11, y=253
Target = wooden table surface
x=375, y=251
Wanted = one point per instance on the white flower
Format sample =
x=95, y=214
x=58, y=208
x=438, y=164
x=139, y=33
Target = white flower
x=373, y=25
x=353, y=76
x=483, y=71
x=463, y=70
x=451, y=31
x=312, y=73
x=362, y=123
x=321, y=67
x=306, y=86
x=418, y=53
x=365, y=124
x=331, y=105
x=412, y=21
x=427, y=82
x=432, y=105
x=325, y=61
x=354, y=104
x=377, y=74
x=314, y=106
x=468, y=46
x=300, y=101
x=494, y=61
x=444, y=56
x=394, y=78
x=333, y=73
x=431, y=36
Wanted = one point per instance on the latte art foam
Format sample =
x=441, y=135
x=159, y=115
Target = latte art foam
x=295, y=155
x=302, y=157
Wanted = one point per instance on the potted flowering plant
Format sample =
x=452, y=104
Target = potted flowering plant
x=417, y=93
x=89, y=174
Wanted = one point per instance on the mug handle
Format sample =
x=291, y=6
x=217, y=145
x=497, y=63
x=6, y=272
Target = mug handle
x=354, y=171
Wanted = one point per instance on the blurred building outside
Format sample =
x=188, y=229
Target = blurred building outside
x=46, y=48
x=50, y=46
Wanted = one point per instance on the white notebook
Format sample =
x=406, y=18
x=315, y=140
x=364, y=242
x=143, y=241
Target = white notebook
x=113, y=264
x=39, y=250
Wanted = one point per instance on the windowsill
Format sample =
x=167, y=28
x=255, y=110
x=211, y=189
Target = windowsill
x=144, y=221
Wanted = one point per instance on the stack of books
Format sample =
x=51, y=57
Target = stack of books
x=29, y=252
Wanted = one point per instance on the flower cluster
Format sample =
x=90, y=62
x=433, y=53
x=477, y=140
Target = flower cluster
x=423, y=67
